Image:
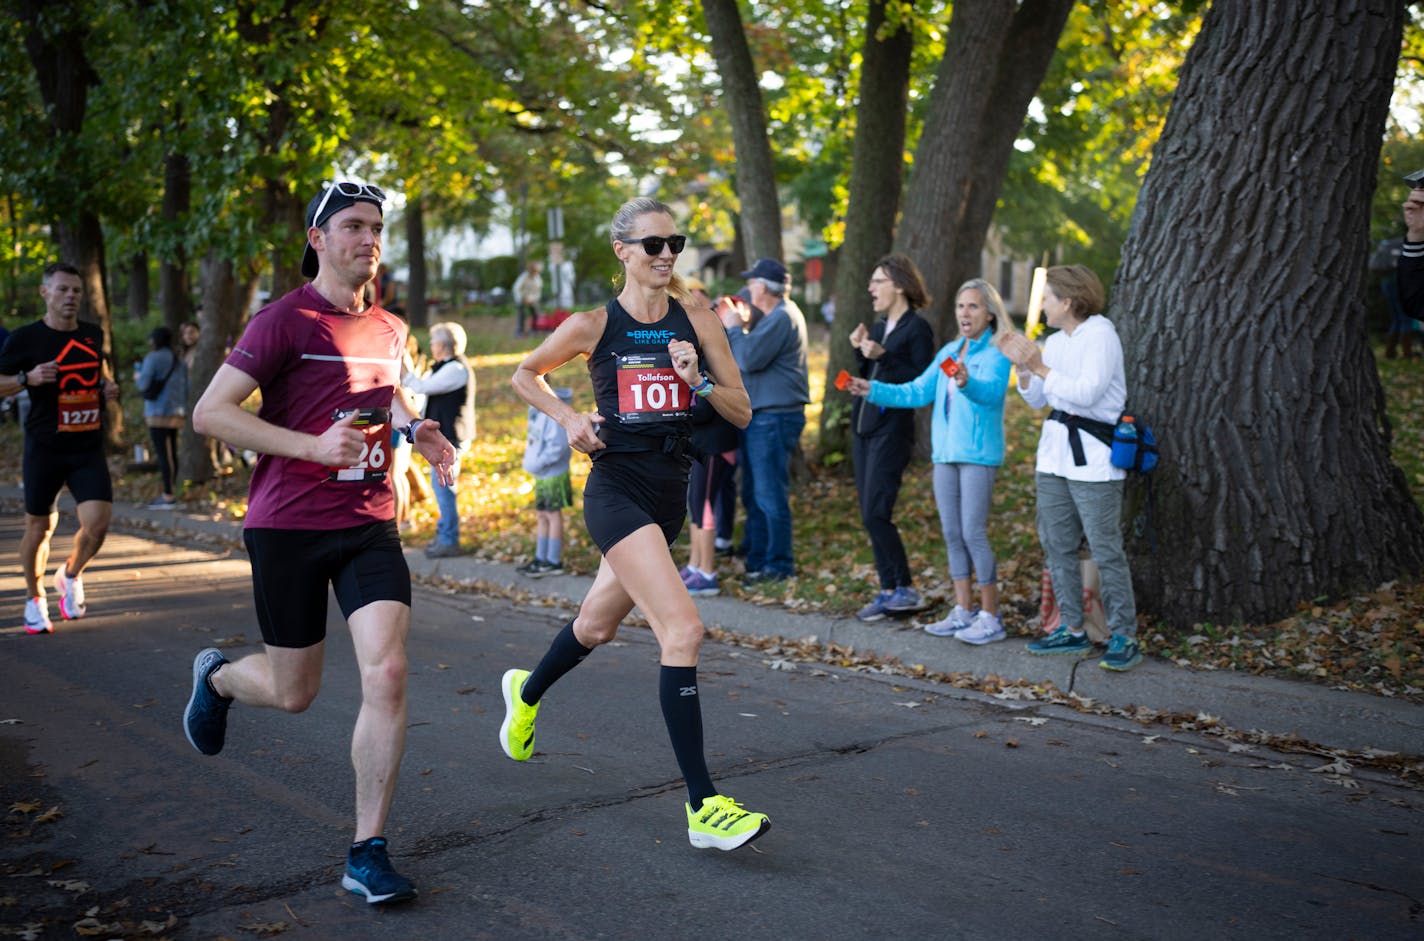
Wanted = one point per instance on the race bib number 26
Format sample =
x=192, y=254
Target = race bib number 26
x=375, y=457
x=649, y=389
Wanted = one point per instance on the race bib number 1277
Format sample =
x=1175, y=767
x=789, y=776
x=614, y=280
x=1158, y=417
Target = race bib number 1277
x=649, y=389
x=79, y=411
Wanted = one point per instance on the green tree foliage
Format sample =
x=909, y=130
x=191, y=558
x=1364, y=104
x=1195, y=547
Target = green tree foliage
x=1087, y=143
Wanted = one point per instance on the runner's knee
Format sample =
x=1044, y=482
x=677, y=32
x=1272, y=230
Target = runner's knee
x=682, y=642
x=593, y=631
x=384, y=680
x=298, y=698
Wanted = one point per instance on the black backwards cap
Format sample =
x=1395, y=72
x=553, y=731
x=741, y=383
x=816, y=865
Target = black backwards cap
x=328, y=203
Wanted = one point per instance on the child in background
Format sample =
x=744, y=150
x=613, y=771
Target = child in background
x=546, y=458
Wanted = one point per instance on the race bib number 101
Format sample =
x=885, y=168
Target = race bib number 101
x=649, y=389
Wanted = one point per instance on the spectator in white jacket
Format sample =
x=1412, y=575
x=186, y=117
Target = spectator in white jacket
x=1079, y=373
x=528, y=291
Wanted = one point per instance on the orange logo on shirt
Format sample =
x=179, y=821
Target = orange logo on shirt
x=79, y=379
x=78, y=366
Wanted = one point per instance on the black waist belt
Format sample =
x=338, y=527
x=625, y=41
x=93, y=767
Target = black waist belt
x=1101, y=430
x=675, y=445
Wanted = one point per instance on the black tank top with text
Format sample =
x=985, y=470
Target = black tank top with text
x=636, y=390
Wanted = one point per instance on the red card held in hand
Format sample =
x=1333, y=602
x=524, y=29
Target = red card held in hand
x=842, y=380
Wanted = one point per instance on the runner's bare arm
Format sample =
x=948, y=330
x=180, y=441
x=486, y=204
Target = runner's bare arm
x=429, y=440
x=729, y=398
x=219, y=414
x=577, y=336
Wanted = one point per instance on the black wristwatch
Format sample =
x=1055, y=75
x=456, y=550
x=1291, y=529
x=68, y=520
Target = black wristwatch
x=24, y=379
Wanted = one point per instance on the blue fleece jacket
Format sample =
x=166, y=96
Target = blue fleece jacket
x=968, y=423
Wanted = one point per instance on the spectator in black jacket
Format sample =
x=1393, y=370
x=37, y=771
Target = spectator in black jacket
x=896, y=348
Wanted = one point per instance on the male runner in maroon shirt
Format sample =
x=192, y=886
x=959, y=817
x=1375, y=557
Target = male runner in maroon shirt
x=320, y=511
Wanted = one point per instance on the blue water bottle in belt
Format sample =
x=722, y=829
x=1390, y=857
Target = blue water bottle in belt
x=1124, y=446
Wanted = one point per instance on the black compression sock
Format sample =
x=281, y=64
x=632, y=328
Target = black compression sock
x=682, y=711
x=563, y=655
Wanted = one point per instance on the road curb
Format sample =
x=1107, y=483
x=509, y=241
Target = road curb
x=1333, y=718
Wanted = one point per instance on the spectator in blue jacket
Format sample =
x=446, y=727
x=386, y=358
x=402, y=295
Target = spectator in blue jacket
x=966, y=381
x=162, y=377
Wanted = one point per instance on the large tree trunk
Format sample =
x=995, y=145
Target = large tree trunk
x=287, y=211
x=173, y=289
x=138, y=286
x=877, y=172
x=54, y=40
x=760, y=207
x=226, y=299
x=994, y=59
x=415, y=309
x=1241, y=300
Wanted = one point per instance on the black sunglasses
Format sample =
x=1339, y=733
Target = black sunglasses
x=653, y=244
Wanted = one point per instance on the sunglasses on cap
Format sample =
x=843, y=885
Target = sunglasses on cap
x=348, y=189
x=653, y=244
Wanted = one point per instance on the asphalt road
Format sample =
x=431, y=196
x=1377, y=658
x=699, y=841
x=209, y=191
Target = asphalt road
x=900, y=809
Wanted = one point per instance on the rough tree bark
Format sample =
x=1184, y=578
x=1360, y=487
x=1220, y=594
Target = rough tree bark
x=287, y=212
x=138, y=285
x=876, y=177
x=173, y=289
x=54, y=41
x=415, y=293
x=1241, y=301
x=227, y=295
x=996, y=55
x=760, y=207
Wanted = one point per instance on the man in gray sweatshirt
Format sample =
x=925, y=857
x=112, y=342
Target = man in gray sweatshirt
x=771, y=353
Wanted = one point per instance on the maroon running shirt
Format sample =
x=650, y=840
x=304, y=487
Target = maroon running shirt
x=311, y=361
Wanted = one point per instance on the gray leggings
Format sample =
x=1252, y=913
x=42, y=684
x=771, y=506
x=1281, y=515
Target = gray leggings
x=1068, y=510
x=962, y=494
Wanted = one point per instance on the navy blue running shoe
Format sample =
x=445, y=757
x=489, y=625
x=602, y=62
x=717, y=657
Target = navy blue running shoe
x=369, y=873
x=205, y=721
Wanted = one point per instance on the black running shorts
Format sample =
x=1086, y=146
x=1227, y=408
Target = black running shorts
x=86, y=473
x=626, y=491
x=291, y=569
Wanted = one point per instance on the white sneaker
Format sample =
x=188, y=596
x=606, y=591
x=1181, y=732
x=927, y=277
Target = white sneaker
x=957, y=621
x=37, y=616
x=986, y=629
x=71, y=593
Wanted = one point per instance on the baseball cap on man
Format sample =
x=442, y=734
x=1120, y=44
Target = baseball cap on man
x=329, y=202
x=767, y=269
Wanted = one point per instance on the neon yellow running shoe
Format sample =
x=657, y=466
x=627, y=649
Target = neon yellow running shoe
x=516, y=735
x=723, y=824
